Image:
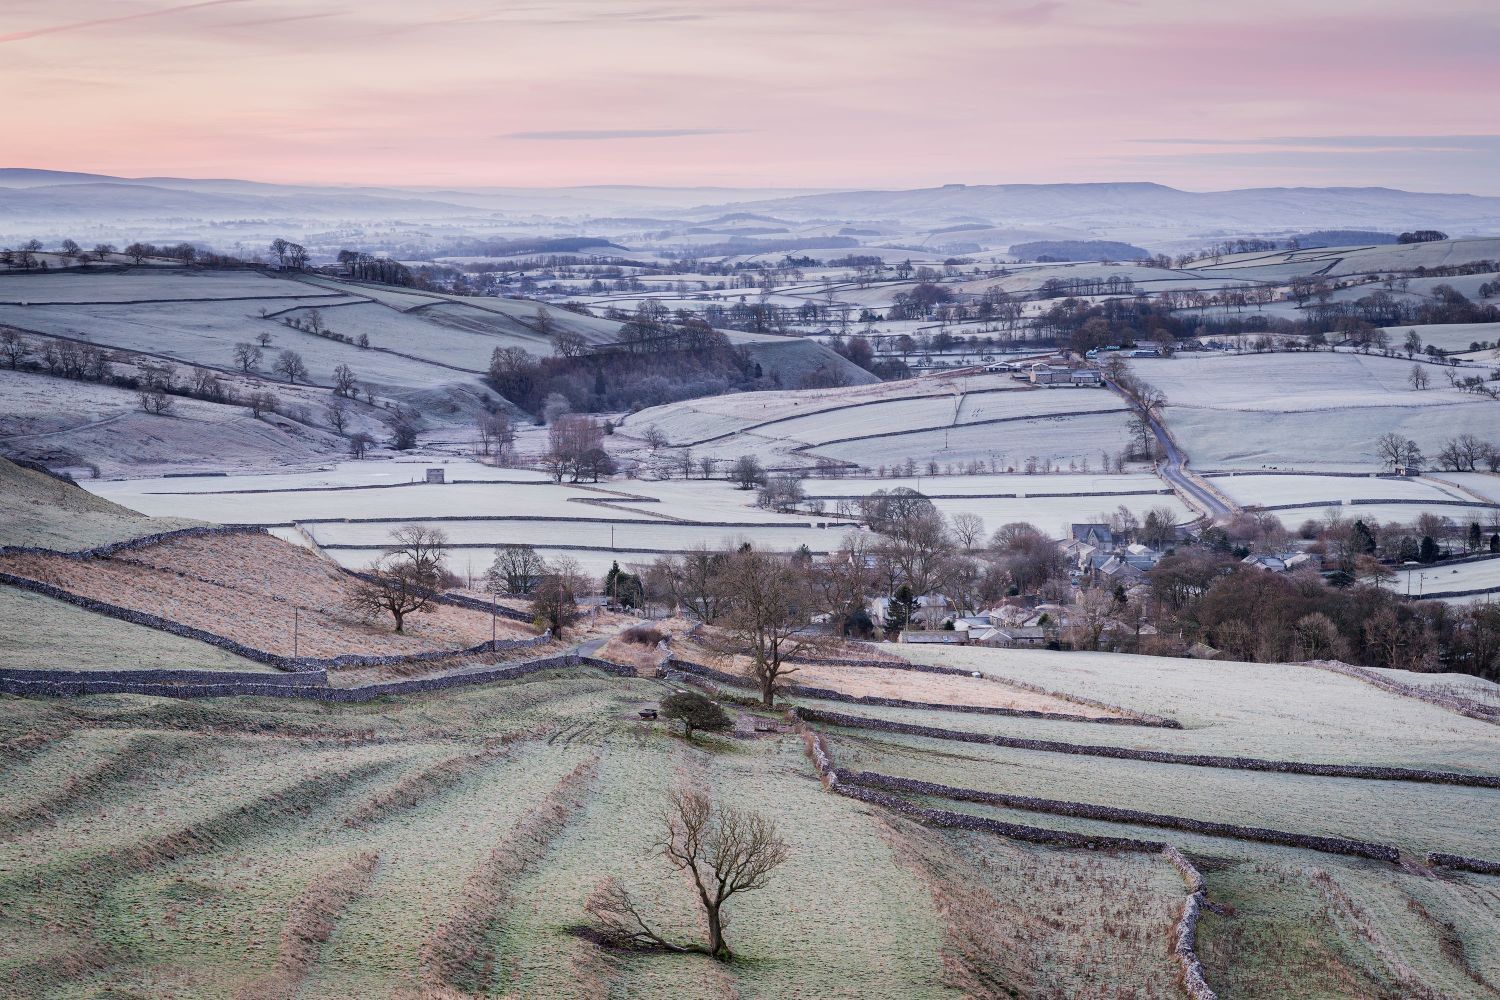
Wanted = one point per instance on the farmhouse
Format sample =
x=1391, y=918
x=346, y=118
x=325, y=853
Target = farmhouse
x=1043, y=373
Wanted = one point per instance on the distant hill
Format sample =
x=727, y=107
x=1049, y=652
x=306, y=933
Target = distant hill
x=1130, y=208
x=1043, y=250
x=1344, y=238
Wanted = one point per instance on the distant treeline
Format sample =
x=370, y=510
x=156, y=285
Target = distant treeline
x=1077, y=250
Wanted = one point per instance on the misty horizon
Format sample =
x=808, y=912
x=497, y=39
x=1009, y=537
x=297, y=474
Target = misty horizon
x=826, y=95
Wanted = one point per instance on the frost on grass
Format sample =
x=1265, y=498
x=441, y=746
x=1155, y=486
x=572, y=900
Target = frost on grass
x=308, y=925
x=1037, y=922
x=456, y=956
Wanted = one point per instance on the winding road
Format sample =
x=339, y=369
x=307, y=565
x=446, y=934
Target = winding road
x=1174, y=468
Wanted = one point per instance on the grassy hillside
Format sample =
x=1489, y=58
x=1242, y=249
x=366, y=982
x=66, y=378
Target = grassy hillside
x=445, y=844
x=39, y=509
x=424, y=350
x=88, y=427
x=60, y=636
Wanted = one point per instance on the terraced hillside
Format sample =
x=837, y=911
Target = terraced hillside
x=965, y=417
x=445, y=844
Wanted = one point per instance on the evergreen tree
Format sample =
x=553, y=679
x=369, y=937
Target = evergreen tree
x=902, y=607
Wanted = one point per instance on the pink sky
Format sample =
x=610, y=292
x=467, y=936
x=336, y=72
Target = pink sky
x=784, y=93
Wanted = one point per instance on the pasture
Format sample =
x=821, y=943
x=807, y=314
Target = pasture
x=449, y=841
x=1315, y=411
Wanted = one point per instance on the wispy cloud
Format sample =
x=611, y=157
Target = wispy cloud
x=590, y=135
x=17, y=36
x=1353, y=143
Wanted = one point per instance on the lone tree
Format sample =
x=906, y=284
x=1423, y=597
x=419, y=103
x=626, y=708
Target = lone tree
x=290, y=366
x=746, y=473
x=769, y=604
x=517, y=569
x=554, y=602
x=406, y=578
x=695, y=711
x=345, y=382
x=725, y=851
x=246, y=357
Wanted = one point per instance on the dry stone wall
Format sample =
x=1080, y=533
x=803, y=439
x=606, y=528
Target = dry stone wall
x=144, y=541
x=1157, y=756
x=1083, y=810
x=828, y=694
x=82, y=684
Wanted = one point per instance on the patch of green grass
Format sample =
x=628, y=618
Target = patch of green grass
x=54, y=635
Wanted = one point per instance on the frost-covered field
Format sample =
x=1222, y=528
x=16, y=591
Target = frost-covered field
x=642, y=536
x=629, y=520
x=1400, y=513
x=77, y=424
x=1483, y=575
x=695, y=419
x=988, y=485
x=60, y=636
x=1282, y=382
x=1280, y=711
x=336, y=474
x=1451, y=337
x=206, y=333
x=1482, y=484
x=417, y=500
x=1250, y=489
x=37, y=289
x=245, y=846
x=1062, y=439
x=1316, y=411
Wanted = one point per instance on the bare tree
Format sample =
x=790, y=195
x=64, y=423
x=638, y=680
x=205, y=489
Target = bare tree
x=968, y=529
x=517, y=569
x=568, y=344
x=1418, y=378
x=338, y=414
x=725, y=851
x=155, y=400
x=13, y=347
x=554, y=602
x=405, y=579
x=654, y=437
x=246, y=357
x=359, y=444
x=747, y=472
x=571, y=442
x=261, y=403
x=290, y=366
x=345, y=382
x=769, y=604
x=495, y=434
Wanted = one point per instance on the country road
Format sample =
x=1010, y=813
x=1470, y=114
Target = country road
x=1174, y=468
